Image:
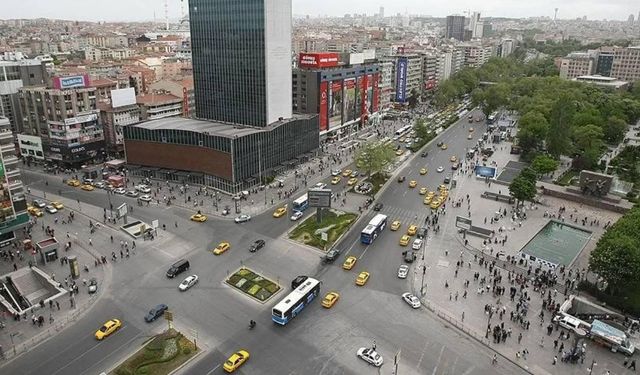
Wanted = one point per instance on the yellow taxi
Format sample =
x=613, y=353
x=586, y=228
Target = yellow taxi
x=199, y=218
x=427, y=199
x=236, y=360
x=399, y=152
x=108, y=328
x=470, y=130
x=87, y=187
x=73, y=182
x=352, y=181
x=444, y=146
x=435, y=203
x=423, y=190
x=423, y=171
x=362, y=278
x=335, y=180
x=444, y=194
x=347, y=173
x=443, y=187
x=221, y=248
x=349, y=263
x=412, y=229
x=395, y=225
x=330, y=299
x=404, y=240
x=280, y=212
x=35, y=211
x=453, y=159
x=57, y=205
x=413, y=183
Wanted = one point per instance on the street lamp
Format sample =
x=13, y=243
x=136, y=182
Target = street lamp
x=593, y=363
x=11, y=336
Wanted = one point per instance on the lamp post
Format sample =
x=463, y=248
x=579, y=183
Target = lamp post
x=593, y=363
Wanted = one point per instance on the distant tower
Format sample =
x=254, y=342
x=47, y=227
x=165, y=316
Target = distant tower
x=555, y=16
x=166, y=14
x=381, y=12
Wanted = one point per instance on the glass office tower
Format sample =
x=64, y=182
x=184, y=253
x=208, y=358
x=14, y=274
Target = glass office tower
x=242, y=60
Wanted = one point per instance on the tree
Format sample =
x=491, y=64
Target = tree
x=422, y=131
x=588, y=137
x=413, y=98
x=522, y=189
x=616, y=259
x=534, y=128
x=373, y=157
x=562, y=112
x=544, y=164
x=615, y=130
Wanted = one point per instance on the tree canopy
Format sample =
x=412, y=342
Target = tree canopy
x=523, y=187
x=374, y=156
x=616, y=257
x=544, y=164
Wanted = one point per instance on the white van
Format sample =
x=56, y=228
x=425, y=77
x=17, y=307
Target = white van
x=574, y=324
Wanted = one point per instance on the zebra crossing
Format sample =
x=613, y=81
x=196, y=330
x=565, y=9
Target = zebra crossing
x=406, y=216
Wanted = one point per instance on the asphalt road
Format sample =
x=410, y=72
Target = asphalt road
x=318, y=341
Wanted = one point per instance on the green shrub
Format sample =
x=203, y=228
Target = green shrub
x=186, y=351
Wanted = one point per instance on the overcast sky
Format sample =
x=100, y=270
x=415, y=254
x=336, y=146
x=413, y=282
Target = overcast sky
x=141, y=10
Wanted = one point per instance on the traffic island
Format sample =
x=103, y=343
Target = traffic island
x=253, y=284
x=161, y=356
x=324, y=234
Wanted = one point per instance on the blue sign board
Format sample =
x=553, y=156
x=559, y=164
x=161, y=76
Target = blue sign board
x=484, y=171
x=69, y=82
x=401, y=79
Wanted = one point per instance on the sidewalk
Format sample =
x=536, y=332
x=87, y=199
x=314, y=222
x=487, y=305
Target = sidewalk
x=460, y=281
x=88, y=247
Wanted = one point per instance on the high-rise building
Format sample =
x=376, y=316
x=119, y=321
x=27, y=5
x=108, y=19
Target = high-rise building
x=455, y=28
x=13, y=205
x=241, y=60
x=381, y=13
x=626, y=64
x=576, y=64
x=13, y=75
x=244, y=127
x=630, y=19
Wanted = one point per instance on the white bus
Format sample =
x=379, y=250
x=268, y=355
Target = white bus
x=295, y=301
x=373, y=229
x=301, y=203
x=403, y=130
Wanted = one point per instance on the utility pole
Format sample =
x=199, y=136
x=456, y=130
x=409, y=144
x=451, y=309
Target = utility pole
x=424, y=271
x=260, y=172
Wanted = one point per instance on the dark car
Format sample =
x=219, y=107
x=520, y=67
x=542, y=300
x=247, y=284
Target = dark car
x=447, y=179
x=439, y=144
x=332, y=255
x=424, y=154
x=155, y=313
x=401, y=178
x=259, y=244
x=409, y=256
x=297, y=281
x=422, y=232
x=378, y=206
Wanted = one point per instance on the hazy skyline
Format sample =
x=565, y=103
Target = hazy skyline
x=143, y=10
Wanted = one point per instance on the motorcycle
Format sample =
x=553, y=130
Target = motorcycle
x=252, y=324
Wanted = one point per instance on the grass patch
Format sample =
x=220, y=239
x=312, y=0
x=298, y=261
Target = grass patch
x=253, y=284
x=377, y=180
x=565, y=179
x=162, y=355
x=334, y=223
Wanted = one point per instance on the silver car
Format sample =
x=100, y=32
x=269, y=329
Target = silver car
x=188, y=283
x=412, y=300
x=403, y=270
x=370, y=356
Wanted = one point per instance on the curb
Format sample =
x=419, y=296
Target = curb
x=202, y=350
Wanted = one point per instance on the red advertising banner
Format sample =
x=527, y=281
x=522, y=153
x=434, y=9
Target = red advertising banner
x=324, y=119
x=376, y=93
x=363, y=105
x=319, y=59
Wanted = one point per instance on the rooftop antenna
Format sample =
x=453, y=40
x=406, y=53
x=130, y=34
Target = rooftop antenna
x=555, y=15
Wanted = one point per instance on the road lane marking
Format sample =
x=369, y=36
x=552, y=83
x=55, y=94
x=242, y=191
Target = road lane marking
x=352, y=245
x=438, y=361
x=212, y=370
x=91, y=349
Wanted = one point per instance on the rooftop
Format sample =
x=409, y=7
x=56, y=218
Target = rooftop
x=208, y=127
x=156, y=99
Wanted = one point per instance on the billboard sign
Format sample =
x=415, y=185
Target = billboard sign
x=63, y=83
x=319, y=59
x=81, y=119
x=123, y=97
x=401, y=79
x=6, y=205
x=463, y=222
x=349, y=99
x=319, y=198
x=324, y=103
x=335, y=103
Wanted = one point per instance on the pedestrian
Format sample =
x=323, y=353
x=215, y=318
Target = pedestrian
x=555, y=360
x=58, y=305
x=494, y=360
x=519, y=337
x=463, y=316
x=633, y=364
x=555, y=344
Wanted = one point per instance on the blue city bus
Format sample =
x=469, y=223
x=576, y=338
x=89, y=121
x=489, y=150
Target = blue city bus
x=373, y=229
x=301, y=203
x=297, y=300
